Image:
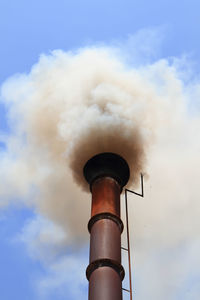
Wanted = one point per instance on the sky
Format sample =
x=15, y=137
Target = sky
x=32, y=266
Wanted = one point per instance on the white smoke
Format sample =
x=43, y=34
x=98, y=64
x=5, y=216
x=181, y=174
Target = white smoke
x=74, y=105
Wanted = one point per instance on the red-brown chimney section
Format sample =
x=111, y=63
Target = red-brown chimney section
x=106, y=173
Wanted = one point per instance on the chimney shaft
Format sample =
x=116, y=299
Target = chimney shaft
x=106, y=173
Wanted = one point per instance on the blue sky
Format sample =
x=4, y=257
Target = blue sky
x=29, y=28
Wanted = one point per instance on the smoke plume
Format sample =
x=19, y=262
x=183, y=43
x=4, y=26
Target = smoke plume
x=72, y=106
x=67, y=109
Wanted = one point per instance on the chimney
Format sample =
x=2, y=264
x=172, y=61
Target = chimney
x=107, y=174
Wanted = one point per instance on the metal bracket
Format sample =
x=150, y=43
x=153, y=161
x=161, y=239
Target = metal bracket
x=142, y=187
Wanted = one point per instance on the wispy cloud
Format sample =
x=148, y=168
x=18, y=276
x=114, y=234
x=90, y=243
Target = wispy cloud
x=64, y=266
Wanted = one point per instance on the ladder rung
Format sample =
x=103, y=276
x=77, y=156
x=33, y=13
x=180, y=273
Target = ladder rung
x=126, y=290
x=124, y=248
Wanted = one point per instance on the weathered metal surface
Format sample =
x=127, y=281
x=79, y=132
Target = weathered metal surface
x=106, y=173
x=106, y=196
x=105, y=240
x=105, y=284
x=105, y=272
x=105, y=262
x=105, y=215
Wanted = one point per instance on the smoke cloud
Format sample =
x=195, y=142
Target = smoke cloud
x=69, y=108
x=72, y=106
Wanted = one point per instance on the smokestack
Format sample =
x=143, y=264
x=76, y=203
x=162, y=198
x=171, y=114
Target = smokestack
x=107, y=174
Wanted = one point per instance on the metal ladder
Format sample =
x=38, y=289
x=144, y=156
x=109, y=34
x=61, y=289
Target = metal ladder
x=127, y=235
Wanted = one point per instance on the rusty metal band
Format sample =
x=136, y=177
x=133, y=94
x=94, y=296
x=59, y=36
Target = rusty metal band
x=105, y=176
x=105, y=215
x=105, y=262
